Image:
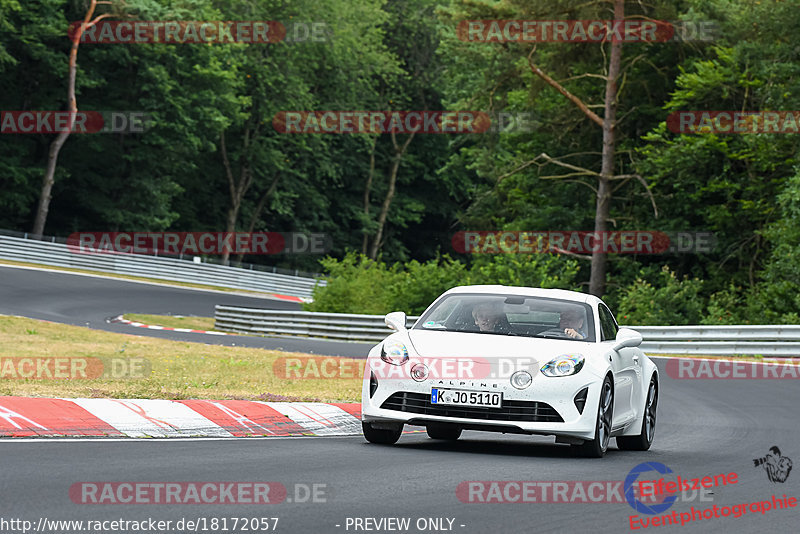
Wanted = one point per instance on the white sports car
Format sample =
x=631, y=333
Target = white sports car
x=513, y=360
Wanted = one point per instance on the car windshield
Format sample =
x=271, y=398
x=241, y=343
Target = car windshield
x=511, y=315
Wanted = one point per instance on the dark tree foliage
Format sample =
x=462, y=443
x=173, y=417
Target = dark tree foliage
x=210, y=159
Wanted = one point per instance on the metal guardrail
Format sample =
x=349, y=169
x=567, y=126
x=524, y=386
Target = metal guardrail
x=341, y=326
x=767, y=340
x=772, y=340
x=156, y=267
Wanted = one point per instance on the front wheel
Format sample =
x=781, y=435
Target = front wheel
x=597, y=447
x=643, y=441
x=381, y=436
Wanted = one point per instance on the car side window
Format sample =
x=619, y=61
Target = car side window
x=608, y=326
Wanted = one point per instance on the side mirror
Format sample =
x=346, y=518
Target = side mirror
x=397, y=321
x=627, y=337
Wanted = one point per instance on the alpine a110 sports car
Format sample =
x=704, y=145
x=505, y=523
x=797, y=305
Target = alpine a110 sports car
x=513, y=360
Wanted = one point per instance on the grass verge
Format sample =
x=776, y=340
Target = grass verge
x=175, y=369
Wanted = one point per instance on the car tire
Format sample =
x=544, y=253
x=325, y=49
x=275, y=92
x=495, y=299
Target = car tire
x=381, y=436
x=643, y=441
x=597, y=447
x=445, y=432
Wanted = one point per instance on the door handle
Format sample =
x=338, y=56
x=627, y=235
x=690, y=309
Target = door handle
x=636, y=360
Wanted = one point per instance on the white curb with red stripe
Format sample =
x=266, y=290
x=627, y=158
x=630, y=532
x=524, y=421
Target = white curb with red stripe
x=158, y=418
x=120, y=319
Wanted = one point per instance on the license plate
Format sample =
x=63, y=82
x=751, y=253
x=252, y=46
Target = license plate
x=460, y=397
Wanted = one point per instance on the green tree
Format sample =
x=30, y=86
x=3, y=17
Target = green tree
x=669, y=301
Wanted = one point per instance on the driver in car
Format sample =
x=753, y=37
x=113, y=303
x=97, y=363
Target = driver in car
x=571, y=322
x=489, y=317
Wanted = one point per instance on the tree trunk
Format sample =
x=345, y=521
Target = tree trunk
x=236, y=189
x=55, y=147
x=230, y=227
x=597, y=280
x=48, y=181
x=387, y=201
x=259, y=208
x=367, y=191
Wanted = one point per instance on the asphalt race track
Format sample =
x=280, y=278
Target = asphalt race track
x=88, y=301
x=705, y=427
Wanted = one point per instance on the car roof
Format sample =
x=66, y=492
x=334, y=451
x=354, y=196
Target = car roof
x=563, y=294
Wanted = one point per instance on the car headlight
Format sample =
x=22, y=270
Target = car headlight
x=394, y=353
x=565, y=365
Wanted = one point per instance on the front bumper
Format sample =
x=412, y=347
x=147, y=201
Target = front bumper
x=545, y=407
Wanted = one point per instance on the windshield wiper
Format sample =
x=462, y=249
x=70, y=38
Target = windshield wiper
x=552, y=335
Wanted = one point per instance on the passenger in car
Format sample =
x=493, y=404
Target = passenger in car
x=571, y=322
x=489, y=317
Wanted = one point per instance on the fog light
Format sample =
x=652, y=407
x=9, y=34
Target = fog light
x=373, y=384
x=419, y=372
x=521, y=379
x=580, y=400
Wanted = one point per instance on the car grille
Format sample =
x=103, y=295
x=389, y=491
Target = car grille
x=511, y=410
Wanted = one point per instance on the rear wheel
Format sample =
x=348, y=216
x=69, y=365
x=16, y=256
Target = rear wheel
x=597, y=447
x=643, y=441
x=381, y=436
x=444, y=431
